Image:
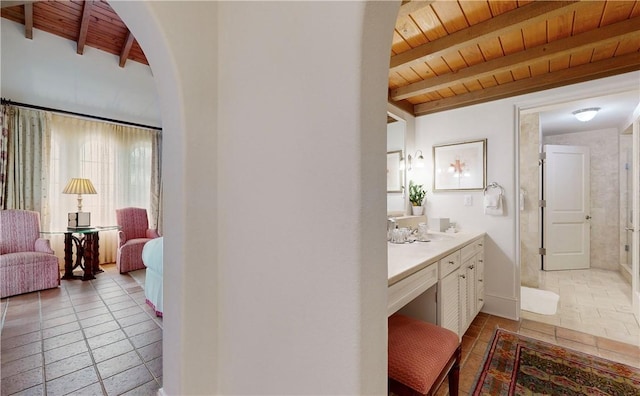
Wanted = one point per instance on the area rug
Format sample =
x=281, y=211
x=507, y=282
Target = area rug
x=539, y=301
x=519, y=365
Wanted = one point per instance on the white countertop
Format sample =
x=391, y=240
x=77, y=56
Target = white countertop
x=408, y=258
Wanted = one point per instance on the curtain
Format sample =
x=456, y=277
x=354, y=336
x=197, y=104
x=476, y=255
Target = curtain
x=156, y=182
x=118, y=161
x=4, y=154
x=27, y=166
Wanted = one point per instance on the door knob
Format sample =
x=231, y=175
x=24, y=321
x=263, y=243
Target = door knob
x=629, y=229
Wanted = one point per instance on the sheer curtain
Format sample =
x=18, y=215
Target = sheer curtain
x=118, y=161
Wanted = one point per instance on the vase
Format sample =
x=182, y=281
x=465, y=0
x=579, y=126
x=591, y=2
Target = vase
x=417, y=210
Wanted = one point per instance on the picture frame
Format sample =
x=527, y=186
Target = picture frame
x=460, y=166
x=394, y=171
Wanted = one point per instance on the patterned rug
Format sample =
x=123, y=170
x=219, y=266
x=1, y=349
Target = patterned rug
x=518, y=365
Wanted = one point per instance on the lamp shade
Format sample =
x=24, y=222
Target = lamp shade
x=79, y=186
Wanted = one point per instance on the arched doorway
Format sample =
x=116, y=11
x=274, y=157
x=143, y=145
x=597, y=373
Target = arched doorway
x=209, y=314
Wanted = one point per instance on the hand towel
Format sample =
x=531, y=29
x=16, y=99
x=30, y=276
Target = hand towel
x=493, y=205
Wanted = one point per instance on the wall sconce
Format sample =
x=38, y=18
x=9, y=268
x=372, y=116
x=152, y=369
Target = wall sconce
x=585, y=115
x=416, y=161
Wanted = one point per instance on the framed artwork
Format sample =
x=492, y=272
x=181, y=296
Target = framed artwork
x=394, y=171
x=460, y=166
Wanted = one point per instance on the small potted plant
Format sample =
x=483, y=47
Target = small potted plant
x=416, y=197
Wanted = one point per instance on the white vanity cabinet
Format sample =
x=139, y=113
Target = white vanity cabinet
x=473, y=268
x=461, y=287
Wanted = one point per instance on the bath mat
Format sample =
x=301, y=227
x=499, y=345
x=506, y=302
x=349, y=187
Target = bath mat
x=519, y=365
x=538, y=301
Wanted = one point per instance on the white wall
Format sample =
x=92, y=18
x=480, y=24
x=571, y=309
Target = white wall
x=395, y=142
x=47, y=71
x=497, y=122
x=277, y=240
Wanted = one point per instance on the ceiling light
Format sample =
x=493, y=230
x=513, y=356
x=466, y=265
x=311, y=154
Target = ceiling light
x=585, y=115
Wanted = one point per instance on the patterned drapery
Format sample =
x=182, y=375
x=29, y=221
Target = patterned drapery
x=4, y=154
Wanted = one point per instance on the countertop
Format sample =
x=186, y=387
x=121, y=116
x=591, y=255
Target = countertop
x=408, y=258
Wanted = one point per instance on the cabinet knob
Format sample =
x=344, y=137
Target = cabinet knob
x=463, y=276
x=471, y=267
x=482, y=261
x=479, y=280
x=451, y=262
x=479, y=244
x=481, y=299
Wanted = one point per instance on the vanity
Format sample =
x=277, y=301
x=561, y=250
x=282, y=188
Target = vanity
x=441, y=281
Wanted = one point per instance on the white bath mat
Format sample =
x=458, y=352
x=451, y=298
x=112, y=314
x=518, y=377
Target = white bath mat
x=538, y=301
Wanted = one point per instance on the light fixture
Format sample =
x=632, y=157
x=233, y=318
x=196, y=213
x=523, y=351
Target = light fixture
x=585, y=115
x=415, y=161
x=79, y=186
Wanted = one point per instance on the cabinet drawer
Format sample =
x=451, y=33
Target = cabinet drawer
x=474, y=247
x=399, y=294
x=449, y=264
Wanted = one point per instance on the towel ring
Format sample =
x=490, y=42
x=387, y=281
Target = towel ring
x=493, y=185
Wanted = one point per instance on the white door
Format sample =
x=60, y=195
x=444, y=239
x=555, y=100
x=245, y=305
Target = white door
x=566, y=226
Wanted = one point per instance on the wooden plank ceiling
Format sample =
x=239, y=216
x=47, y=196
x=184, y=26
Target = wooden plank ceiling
x=445, y=53
x=448, y=54
x=88, y=23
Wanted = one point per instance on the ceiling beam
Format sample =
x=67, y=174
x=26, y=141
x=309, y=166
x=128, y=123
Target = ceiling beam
x=590, y=71
x=28, y=20
x=9, y=3
x=126, y=48
x=84, y=25
x=529, y=14
x=614, y=33
x=412, y=6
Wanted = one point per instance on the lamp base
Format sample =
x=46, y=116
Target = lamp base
x=79, y=220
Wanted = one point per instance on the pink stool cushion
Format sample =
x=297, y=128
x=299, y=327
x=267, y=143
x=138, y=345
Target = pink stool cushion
x=418, y=351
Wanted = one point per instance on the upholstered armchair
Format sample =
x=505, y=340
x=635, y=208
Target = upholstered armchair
x=133, y=234
x=27, y=262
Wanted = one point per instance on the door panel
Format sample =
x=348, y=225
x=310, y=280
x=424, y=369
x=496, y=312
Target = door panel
x=566, y=190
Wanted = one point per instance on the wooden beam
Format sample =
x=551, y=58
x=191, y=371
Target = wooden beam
x=627, y=29
x=526, y=15
x=84, y=25
x=402, y=105
x=9, y=3
x=126, y=48
x=28, y=20
x=590, y=71
x=412, y=6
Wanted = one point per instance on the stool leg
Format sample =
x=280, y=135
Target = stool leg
x=454, y=374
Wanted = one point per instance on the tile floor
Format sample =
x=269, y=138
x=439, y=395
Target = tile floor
x=84, y=338
x=100, y=338
x=594, y=301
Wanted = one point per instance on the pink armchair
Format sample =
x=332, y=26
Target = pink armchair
x=134, y=233
x=27, y=262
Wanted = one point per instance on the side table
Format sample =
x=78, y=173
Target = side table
x=86, y=243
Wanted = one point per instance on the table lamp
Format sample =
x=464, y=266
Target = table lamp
x=78, y=186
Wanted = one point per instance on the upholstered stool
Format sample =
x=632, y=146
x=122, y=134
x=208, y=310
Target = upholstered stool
x=421, y=355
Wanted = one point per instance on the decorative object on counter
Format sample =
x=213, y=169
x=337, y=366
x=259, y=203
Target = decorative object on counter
x=440, y=224
x=460, y=166
x=416, y=197
x=516, y=365
x=493, y=197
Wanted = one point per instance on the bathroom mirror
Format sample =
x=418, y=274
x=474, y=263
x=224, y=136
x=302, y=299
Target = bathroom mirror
x=396, y=129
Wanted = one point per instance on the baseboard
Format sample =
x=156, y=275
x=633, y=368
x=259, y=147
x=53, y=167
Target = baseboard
x=505, y=307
